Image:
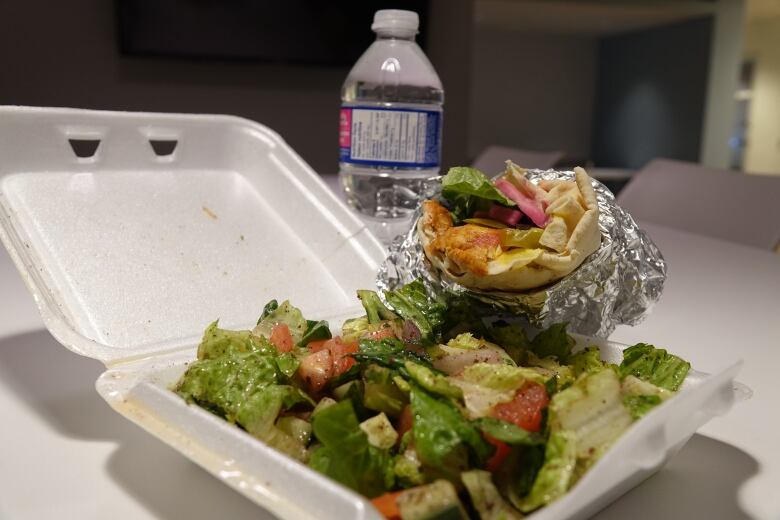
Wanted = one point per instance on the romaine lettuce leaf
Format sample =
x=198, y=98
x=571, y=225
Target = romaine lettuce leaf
x=641, y=396
x=375, y=309
x=465, y=188
x=445, y=441
x=406, y=467
x=388, y=352
x=485, y=497
x=586, y=361
x=553, y=341
x=282, y=314
x=217, y=342
x=243, y=388
x=554, y=477
x=431, y=381
x=654, y=365
x=465, y=340
x=412, y=303
x=592, y=409
x=512, y=337
x=507, y=432
x=639, y=405
x=485, y=385
x=346, y=455
x=500, y=377
x=315, y=331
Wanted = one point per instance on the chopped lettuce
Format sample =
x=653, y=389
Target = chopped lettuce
x=641, y=396
x=500, y=377
x=512, y=337
x=553, y=341
x=406, y=467
x=485, y=497
x=381, y=391
x=516, y=475
x=431, y=381
x=445, y=441
x=485, y=385
x=268, y=309
x=654, y=365
x=412, y=303
x=346, y=455
x=586, y=361
x=462, y=315
x=552, y=481
x=507, y=432
x=243, y=387
x=561, y=374
x=315, y=331
x=592, y=409
x=375, y=309
x=217, y=342
x=283, y=314
x=639, y=405
x=388, y=352
x=465, y=341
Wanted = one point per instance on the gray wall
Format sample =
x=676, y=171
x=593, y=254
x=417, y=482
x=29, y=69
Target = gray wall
x=65, y=54
x=650, y=94
x=532, y=91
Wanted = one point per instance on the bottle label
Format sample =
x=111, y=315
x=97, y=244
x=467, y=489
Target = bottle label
x=390, y=137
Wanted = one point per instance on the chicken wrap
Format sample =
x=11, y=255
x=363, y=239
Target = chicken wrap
x=509, y=234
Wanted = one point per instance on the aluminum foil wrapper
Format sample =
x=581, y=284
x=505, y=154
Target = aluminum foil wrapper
x=616, y=285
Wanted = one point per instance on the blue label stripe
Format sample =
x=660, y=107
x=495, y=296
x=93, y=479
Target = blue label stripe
x=425, y=148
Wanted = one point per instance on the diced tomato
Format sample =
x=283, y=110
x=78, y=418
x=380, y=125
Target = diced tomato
x=316, y=346
x=405, y=421
x=525, y=410
x=387, y=505
x=316, y=369
x=281, y=337
x=385, y=331
x=342, y=361
x=339, y=352
x=502, y=451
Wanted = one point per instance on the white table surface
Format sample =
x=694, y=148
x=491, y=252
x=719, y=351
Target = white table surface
x=65, y=453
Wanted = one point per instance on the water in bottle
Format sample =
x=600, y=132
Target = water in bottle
x=390, y=126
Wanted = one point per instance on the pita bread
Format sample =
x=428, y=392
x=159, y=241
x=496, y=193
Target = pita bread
x=571, y=234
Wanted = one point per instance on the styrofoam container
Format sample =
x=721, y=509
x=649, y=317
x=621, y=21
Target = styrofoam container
x=132, y=250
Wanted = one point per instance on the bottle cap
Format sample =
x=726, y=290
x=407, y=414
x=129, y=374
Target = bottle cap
x=396, y=21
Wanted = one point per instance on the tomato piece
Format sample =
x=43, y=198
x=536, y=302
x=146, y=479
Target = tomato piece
x=385, y=331
x=405, y=421
x=340, y=351
x=525, y=410
x=386, y=504
x=316, y=369
x=281, y=337
x=316, y=346
x=502, y=452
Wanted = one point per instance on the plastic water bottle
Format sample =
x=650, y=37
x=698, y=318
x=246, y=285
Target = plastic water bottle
x=390, y=126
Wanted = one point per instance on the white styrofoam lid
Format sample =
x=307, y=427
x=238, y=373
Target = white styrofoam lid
x=171, y=222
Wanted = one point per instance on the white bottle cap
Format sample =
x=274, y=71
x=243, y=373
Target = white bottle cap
x=396, y=21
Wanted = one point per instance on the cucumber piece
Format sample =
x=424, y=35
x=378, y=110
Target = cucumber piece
x=435, y=501
x=298, y=429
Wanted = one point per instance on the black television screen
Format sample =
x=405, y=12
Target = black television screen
x=321, y=32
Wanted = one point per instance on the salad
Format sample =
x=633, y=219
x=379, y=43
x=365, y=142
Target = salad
x=424, y=407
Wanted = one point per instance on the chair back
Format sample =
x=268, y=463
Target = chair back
x=733, y=206
x=493, y=158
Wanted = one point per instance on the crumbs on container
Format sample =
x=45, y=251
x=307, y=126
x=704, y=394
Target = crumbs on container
x=209, y=213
